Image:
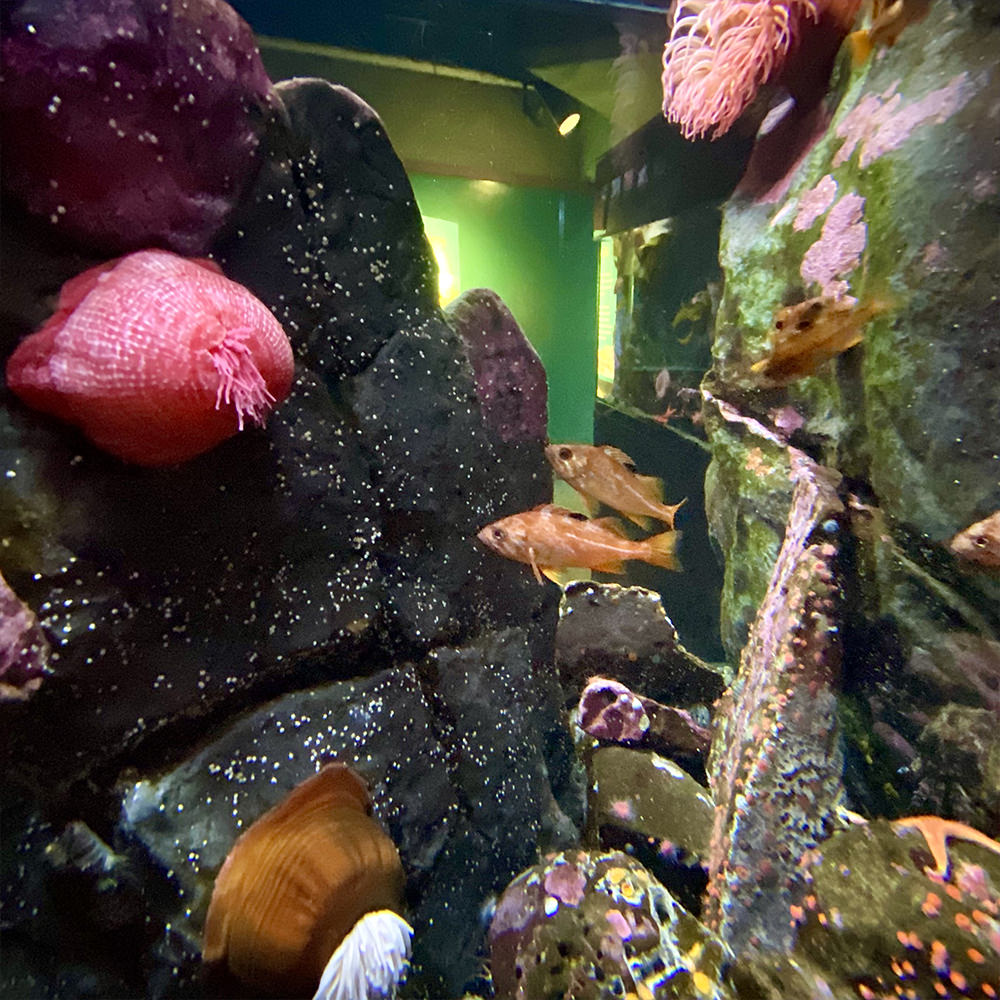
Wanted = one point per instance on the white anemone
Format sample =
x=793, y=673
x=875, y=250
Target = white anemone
x=370, y=962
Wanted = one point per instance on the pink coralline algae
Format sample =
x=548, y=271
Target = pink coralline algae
x=814, y=203
x=838, y=250
x=776, y=764
x=718, y=55
x=609, y=711
x=566, y=883
x=881, y=123
x=156, y=358
x=24, y=650
x=131, y=123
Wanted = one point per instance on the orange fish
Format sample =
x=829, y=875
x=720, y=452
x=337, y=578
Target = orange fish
x=980, y=542
x=808, y=334
x=550, y=538
x=603, y=474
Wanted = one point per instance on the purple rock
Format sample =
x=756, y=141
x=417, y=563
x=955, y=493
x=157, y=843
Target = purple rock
x=610, y=711
x=130, y=123
x=510, y=378
x=24, y=650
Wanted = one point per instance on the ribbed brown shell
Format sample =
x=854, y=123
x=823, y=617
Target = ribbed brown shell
x=297, y=881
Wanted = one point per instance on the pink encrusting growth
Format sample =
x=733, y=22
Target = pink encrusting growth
x=156, y=358
x=718, y=55
x=839, y=248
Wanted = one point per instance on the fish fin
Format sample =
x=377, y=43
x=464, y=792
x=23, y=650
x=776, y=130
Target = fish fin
x=618, y=455
x=663, y=550
x=651, y=487
x=610, y=567
x=611, y=524
x=534, y=565
x=593, y=505
x=646, y=523
x=552, y=574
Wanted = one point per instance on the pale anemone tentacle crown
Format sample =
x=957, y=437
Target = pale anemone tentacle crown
x=370, y=962
x=718, y=55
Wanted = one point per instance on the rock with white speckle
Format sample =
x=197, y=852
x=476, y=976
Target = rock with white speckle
x=134, y=125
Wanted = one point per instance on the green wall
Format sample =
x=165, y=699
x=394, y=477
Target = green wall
x=534, y=247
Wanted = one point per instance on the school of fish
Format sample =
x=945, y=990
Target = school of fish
x=550, y=538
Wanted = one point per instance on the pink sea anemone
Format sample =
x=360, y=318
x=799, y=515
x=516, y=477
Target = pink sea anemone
x=156, y=358
x=720, y=52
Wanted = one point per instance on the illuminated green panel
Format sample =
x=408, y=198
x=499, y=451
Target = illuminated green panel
x=534, y=247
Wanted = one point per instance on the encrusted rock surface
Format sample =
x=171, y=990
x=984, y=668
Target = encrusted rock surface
x=876, y=924
x=593, y=925
x=895, y=203
x=776, y=765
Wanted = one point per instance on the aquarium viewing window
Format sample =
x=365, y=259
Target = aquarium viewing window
x=443, y=237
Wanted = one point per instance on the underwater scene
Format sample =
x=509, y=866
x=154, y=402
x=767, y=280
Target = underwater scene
x=500, y=499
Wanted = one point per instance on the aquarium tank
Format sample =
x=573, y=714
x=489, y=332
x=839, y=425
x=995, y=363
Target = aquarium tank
x=500, y=499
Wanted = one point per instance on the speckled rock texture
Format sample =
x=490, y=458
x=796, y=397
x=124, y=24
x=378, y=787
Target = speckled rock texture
x=510, y=379
x=309, y=588
x=894, y=202
x=130, y=123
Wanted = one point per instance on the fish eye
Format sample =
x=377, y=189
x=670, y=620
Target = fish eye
x=779, y=324
x=981, y=541
x=499, y=534
x=565, y=454
x=631, y=466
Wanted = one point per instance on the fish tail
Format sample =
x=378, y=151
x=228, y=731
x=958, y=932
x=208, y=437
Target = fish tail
x=860, y=43
x=671, y=510
x=663, y=550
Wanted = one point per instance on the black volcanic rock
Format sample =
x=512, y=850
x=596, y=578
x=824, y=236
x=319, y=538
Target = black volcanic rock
x=330, y=237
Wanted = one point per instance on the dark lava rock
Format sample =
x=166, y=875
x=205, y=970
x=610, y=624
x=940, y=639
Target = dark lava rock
x=459, y=781
x=329, y=236
x=167, y=593
x=130, y=123
x=439, y=481
x=510, y=379
x=313, y=561
x=624, y=633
